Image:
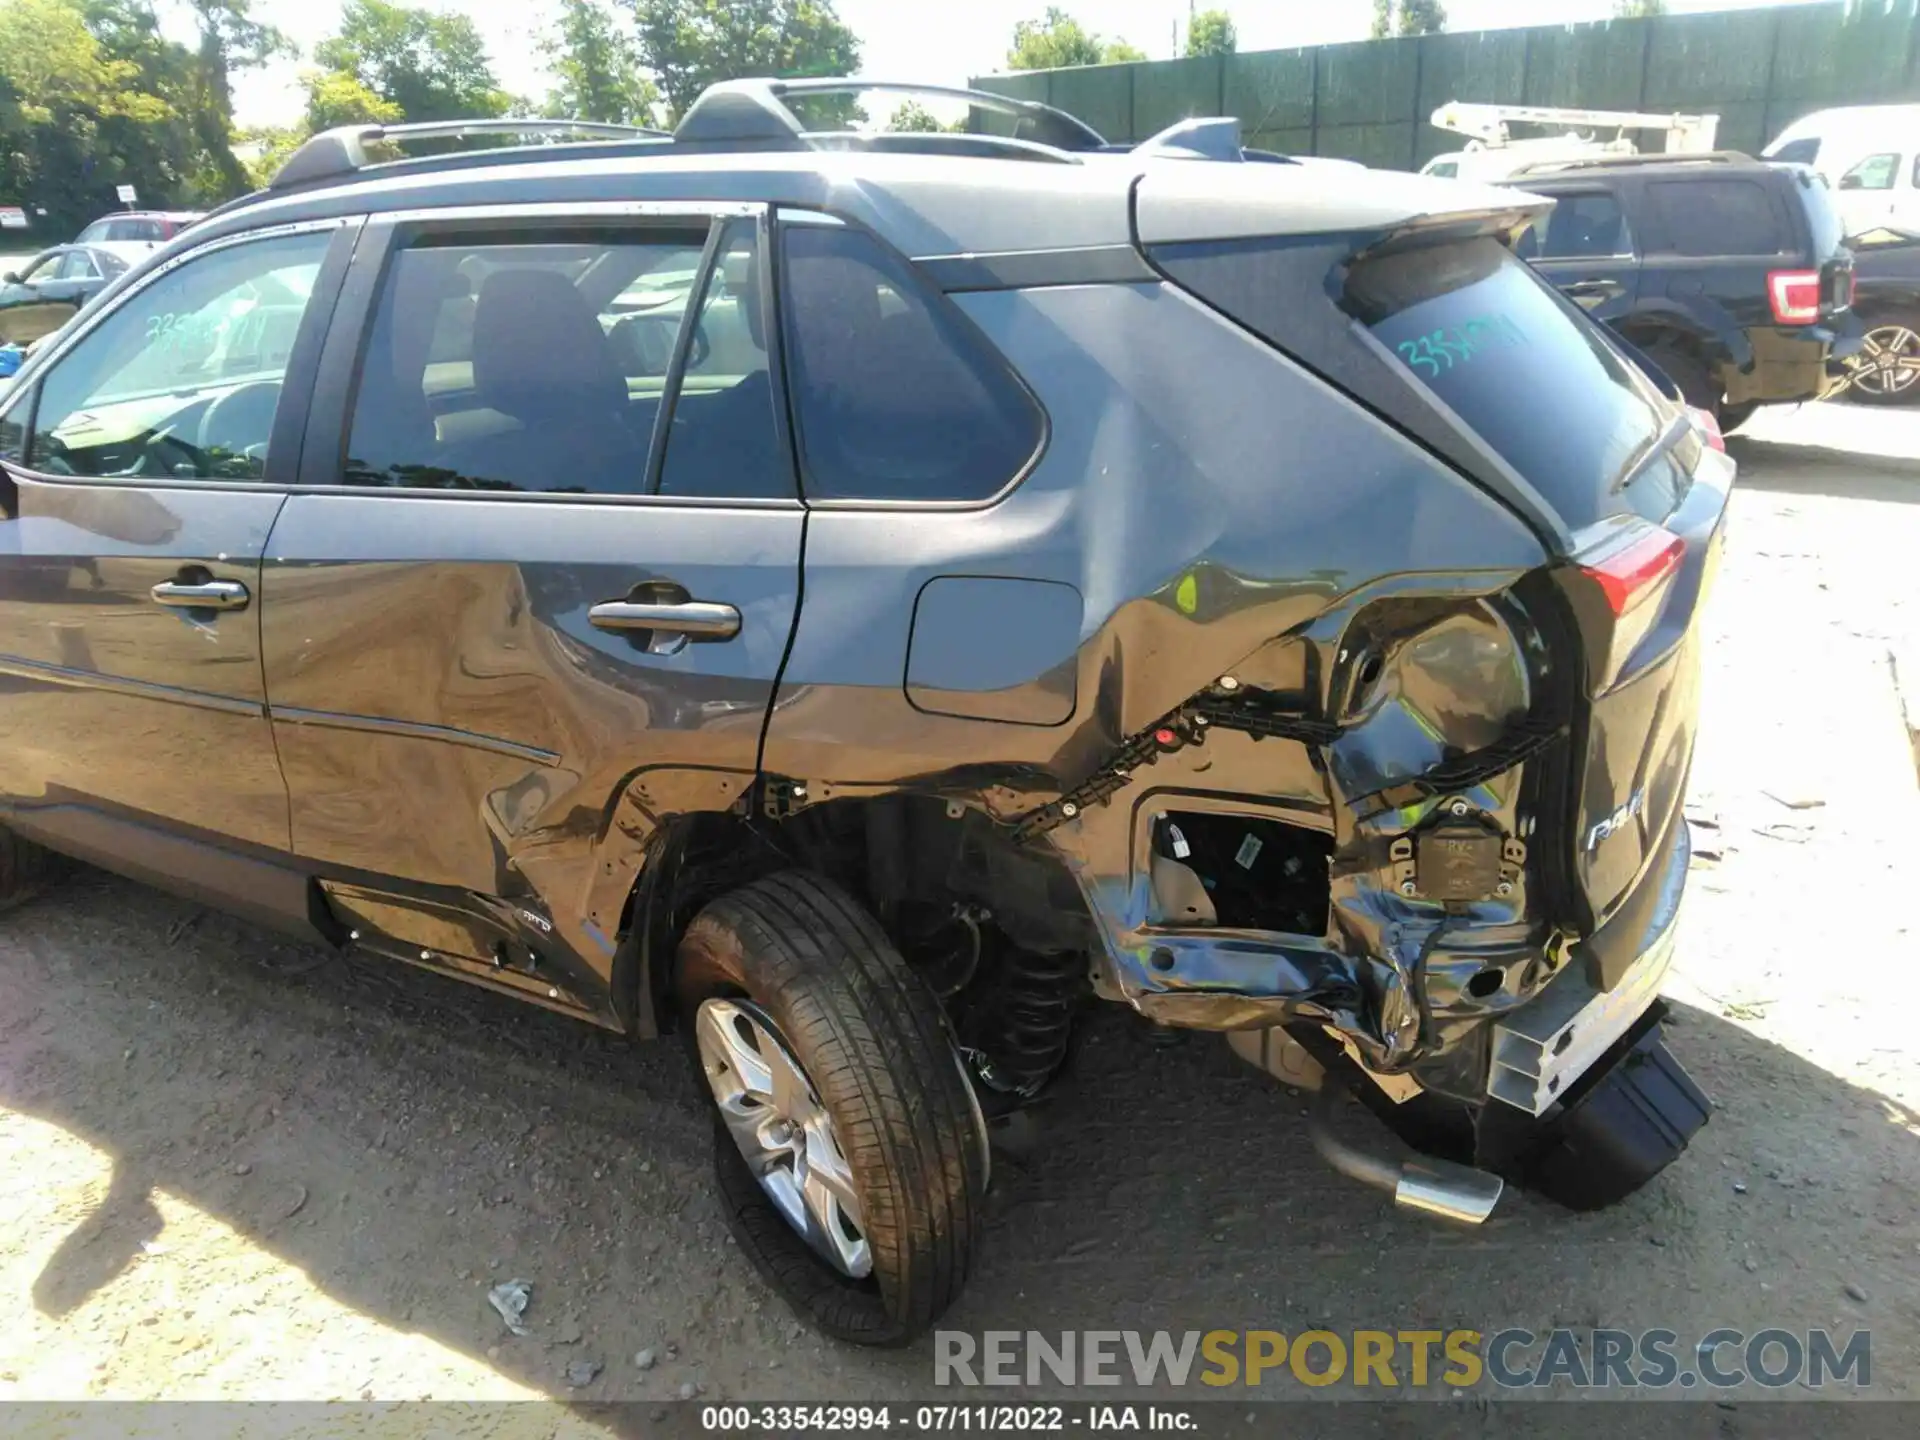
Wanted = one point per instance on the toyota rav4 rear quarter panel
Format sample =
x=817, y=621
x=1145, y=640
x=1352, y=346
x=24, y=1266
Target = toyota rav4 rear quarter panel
x=1219, y=512
x=1320, y=629
x=1440, y=326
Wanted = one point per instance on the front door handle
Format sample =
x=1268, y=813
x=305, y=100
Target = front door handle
x=1596, y=289
x=207, y=595
x=695, y=619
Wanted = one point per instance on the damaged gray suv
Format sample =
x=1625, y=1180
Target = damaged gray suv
x=854, y=600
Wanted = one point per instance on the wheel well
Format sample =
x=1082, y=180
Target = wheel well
x=932, y=871
x=1669, y=337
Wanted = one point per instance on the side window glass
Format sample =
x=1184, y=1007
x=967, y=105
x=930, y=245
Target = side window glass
x=181, y=381
x=895, y=395
x=77, y=266
x=1719, y=217
x=723, y=442
x=1876, y=172
x=1584, y=227
x=13, y=427
x=1798, y=152
x=520, y=364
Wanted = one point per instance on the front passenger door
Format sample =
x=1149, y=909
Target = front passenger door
x=137, y=502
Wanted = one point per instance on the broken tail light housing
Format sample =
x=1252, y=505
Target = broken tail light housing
x=1795, y=295
x=1632, y=572
x=1617, y=585
x=1709, y=428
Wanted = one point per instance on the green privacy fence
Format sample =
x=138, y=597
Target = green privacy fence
x=1370, y=100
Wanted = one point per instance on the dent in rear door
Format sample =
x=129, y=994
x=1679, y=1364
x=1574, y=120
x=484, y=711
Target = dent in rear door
x=472, y=755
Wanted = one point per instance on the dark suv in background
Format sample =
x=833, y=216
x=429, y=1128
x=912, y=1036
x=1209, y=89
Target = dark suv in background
x=855, y=600
x=1730, y=273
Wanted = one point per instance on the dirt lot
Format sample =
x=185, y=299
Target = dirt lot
x=231, y=1167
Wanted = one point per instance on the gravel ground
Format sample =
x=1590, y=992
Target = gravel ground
x=232, y=1167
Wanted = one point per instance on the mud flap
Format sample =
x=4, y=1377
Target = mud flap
x=1631, y=1119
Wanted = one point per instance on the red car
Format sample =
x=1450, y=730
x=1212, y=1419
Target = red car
x=154, y=225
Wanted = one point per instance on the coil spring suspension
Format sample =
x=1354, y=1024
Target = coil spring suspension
x=1025, y=1031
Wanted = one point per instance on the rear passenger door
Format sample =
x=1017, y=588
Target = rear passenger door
x=545, y=547
x=1585, y=247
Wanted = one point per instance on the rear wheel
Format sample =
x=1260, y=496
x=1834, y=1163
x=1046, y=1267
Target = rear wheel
x=849, y=1152
x=1693, y=378
x=1886, y=371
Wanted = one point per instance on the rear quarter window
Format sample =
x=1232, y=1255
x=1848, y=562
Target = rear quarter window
x=1473, y=352
x=896, y=396
x=1538, y=384
x=1721, y=216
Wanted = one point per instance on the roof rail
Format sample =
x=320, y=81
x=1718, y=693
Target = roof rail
x=1622, y=162
x=736, y=112
x=343, y=150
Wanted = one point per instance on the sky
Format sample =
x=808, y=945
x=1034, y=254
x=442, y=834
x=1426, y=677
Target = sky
x=929, y=41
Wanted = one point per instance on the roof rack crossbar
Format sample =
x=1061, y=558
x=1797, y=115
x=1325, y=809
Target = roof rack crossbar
x=343, y=150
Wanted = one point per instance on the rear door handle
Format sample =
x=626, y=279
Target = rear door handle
x=207, y=595
x=696, y=619
x=1604, y=289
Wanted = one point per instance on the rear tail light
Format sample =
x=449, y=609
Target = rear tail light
x=1709, y=428
x=1636, y=569
x=1795, y=295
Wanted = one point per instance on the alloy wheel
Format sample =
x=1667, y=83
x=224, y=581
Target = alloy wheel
x=785, y=1134
x=1889, y=361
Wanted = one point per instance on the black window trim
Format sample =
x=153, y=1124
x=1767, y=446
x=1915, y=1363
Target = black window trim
x=323, y=455
x=935, y=297
x=288, y=420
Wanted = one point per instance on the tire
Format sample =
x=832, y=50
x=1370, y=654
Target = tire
x=1898, y=332
x=25, y=870
x=798, y=956
x=1692, y=376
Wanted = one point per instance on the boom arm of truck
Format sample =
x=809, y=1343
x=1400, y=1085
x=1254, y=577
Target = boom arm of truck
x=1490, y=124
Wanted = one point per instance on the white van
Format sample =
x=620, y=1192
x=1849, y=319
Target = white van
x=1870, y=154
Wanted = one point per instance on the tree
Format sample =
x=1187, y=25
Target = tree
x=596, y=67
x=1408, y=17
x=1058, y=41
x=914, y=116
x=432, y=66
x=690, y=44
x=1211, y=32
x=337, y=98
x=1639, y=9
x=62, y=92
x=230, y=39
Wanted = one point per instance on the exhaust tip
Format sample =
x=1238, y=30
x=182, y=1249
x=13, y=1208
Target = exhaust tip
x=1424, y=1183
x=1453, y=1192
